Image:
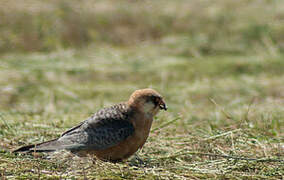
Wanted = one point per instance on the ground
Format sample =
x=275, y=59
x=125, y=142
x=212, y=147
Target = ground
x=216, y=116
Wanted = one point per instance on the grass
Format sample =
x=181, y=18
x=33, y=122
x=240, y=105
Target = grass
x=218, y=64
x=225, y=117
x=201, y=27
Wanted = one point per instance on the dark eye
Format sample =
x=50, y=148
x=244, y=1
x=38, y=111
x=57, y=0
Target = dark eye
x=155, y=100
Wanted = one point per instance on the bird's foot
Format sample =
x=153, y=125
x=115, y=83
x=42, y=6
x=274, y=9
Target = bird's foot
x=137, y=161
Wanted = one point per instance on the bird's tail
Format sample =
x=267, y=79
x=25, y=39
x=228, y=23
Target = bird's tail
x=47, y=146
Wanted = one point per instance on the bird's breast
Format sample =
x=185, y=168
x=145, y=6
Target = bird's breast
x=129, y=146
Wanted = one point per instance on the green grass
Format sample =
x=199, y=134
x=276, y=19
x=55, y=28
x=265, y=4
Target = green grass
x=189, y=28
x=219, y=65
x=221, y=109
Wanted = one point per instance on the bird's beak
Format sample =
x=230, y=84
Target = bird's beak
x=163, y=105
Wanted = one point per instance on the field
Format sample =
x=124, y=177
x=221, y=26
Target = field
x=219, y=66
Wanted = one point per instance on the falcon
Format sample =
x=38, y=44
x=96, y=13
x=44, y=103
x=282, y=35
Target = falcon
x=113, y=133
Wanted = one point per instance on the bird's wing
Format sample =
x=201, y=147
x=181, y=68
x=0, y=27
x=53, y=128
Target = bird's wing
x=104, y=129
x=73, y=128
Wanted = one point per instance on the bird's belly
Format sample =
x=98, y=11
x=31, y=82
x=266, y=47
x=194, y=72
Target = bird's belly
x=124, y=149
x=130, y=145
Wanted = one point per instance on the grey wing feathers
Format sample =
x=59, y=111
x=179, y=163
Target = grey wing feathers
x=73, y=128
x=104, y=129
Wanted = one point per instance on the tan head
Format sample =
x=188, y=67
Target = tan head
x=148, y=101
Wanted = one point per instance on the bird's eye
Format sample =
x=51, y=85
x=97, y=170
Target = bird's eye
x=155, y=100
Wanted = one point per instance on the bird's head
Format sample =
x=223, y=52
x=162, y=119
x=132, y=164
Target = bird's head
x=147, y=101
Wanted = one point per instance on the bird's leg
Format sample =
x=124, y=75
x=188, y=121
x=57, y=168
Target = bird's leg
x=141, y=162
x=137, y=161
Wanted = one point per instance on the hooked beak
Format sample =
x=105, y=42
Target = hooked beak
x=163, y=105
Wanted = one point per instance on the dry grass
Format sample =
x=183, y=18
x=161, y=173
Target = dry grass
x=188, y=28
x=225, y=117
x=218, y=64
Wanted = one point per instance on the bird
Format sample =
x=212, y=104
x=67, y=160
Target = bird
x=111, y=134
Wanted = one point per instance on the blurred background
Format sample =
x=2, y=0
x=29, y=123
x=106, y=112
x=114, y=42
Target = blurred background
x=219, y=65
x=186, y=28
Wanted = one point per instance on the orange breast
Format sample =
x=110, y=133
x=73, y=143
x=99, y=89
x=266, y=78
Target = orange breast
x=129, y=146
